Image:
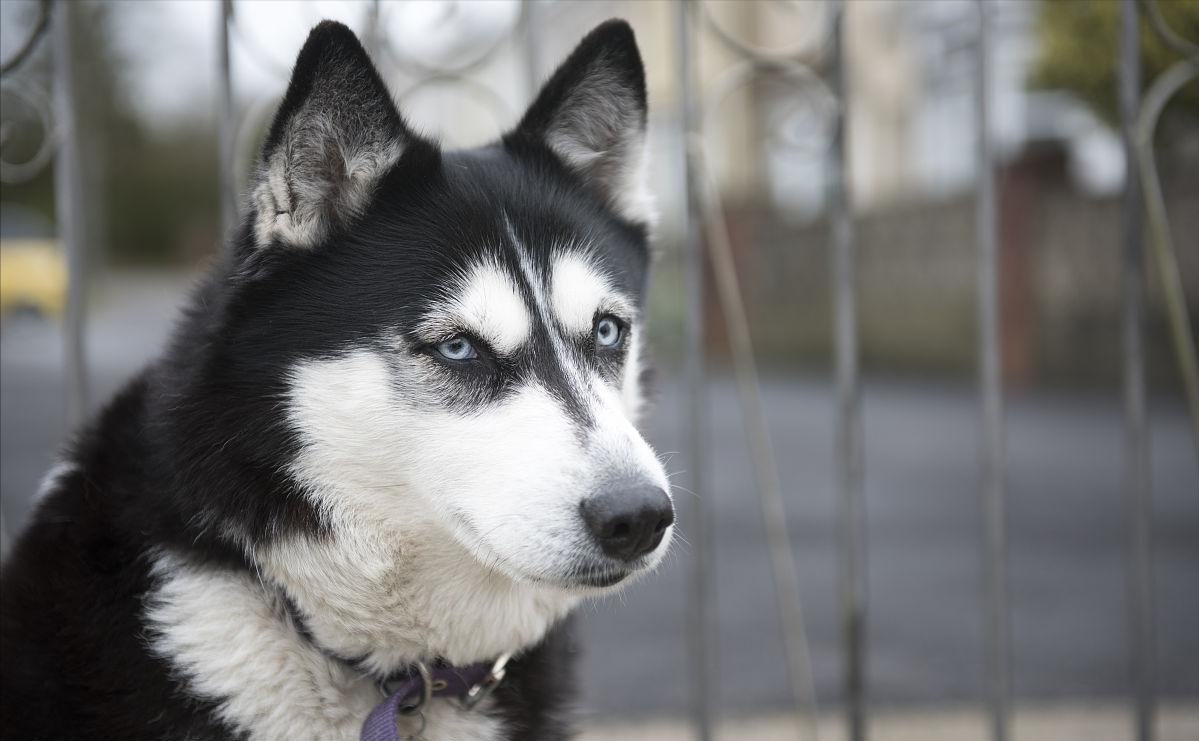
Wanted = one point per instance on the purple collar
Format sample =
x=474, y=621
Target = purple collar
x=399, y=716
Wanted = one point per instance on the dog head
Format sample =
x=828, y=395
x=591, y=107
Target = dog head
x=459, y=333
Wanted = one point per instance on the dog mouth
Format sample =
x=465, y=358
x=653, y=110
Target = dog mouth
x=602, y=573
x=581, y=578
x=583, y=570
x=599, y=579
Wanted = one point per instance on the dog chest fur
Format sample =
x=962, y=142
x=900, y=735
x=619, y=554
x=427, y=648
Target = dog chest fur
x=229, y=637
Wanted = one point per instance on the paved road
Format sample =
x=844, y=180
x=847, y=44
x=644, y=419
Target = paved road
x=1067, y=536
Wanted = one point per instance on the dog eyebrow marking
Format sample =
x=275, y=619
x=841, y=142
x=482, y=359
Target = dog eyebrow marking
x=580, y=290
x=485, y=300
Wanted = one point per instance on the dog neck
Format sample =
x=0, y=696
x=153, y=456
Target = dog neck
x=224, y=632
x=386, y=598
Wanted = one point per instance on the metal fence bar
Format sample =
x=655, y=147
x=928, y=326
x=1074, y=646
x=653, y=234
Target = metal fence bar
x=226, y=123
x=1137, y=487
x=701, y=630
x=373, y=45
x=68, y=196
x=990, y=383
x=848, y=418
x=1151, y=105
x=718, y=240
x=531, y=23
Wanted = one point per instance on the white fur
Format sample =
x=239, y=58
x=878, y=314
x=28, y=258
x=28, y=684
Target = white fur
x=440, y=536
x=597, y=133
x=580, y=290
x=486, y=301
x=611, y=438
x=297, y=201
x=454, y=534
x=632, y=396
x=633, y=198
x=53, y=478
x=232, y=643
x=623, y=175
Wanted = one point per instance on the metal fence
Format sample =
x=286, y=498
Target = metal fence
x=1139, y=119
x=822, y=80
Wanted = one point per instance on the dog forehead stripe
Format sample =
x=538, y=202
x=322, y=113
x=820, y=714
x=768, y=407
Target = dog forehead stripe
x=574, y=386
x=487, y=301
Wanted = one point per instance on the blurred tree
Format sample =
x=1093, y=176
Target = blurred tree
x=151, y=195
x=1077, y=51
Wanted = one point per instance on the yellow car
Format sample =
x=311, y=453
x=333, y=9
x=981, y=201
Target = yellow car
x=33, y=271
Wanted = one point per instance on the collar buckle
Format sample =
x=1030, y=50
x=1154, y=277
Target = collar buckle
x=481, y=691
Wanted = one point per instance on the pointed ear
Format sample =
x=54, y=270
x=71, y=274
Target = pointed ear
x=591, y=114
x=336, y=133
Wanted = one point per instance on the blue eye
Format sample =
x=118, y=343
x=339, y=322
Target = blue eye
x=457, y=348
x=608, y=332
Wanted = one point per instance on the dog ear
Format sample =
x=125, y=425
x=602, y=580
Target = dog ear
x=591, y=114
x=336, y=133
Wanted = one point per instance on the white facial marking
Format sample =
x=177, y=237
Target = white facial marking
x=487, y=302
x=632, y=396
x=615, y=438
x=579, y=291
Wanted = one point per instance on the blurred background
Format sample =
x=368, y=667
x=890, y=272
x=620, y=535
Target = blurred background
x=820, y=131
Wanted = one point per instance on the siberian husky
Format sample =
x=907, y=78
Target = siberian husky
x=389, y=447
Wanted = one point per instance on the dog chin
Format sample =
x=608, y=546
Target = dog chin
x=583, y=577
x=602, y=576
x=593, y=574
x=583, y=573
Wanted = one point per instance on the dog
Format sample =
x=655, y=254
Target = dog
x=389, y=447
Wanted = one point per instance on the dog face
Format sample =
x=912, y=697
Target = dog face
x=459, y=333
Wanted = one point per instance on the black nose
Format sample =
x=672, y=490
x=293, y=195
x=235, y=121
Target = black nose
x=628, y=522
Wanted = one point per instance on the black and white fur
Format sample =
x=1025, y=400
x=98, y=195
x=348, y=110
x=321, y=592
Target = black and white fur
x=303, y=495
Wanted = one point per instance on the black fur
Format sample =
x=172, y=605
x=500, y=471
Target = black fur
x=190, y=456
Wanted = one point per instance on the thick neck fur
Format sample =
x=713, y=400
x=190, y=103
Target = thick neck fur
x=388, y=598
